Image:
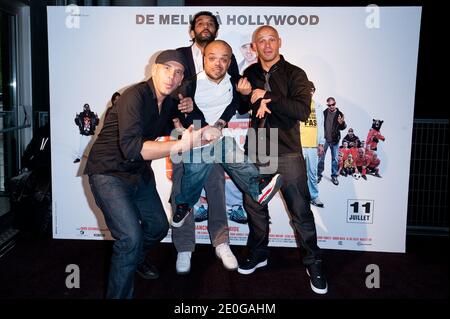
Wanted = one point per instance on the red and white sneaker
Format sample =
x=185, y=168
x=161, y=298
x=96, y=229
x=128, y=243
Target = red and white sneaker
x=270, y=189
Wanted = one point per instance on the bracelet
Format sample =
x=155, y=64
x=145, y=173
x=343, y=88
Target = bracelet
x=220, y=124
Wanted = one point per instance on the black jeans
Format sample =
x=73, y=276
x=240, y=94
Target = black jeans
x=296, y=195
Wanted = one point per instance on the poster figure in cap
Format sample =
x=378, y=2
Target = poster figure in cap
x=250, y=56
x=86, y=121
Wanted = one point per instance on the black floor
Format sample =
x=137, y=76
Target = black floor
x=37, y=269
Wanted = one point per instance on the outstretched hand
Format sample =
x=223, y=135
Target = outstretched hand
x=191, y=138
x=210, y=134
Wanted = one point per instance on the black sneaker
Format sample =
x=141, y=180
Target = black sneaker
x=147, y=271
x=268, y=188
x=250, y=265
x=318, y=281
x=319, y=178
x=334, y=180
x=317, y=202
x=180, y=215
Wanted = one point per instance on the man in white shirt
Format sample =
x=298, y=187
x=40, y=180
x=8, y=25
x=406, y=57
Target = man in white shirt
x=217, y=100
x=203, y=29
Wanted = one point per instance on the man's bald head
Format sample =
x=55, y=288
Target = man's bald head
x=262, y=28
x=222, y=45
x=267, y=43
x=217, y=59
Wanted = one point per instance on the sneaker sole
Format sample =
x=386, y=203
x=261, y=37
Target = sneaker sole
x=250, y=271
x=271, y=193
x=315, y=289
x=184, y=272
x=229, y=269
x=181, y=222
x=147, y=277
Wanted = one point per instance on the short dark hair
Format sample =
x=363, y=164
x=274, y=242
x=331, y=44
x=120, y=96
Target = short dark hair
x=331, y=98
x=113, y=97
x=204, y=13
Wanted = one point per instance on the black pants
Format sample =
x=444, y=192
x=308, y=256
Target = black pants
x=296, y=195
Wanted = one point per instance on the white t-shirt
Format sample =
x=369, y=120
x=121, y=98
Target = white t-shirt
x=213, y=98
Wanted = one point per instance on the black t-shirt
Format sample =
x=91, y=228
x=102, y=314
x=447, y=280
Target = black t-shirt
x=133, y=120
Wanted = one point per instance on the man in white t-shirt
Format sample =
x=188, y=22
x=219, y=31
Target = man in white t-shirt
x=216, y=99
x=204, y=28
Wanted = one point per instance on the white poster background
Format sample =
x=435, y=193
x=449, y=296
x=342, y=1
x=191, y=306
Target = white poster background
x=368, y=65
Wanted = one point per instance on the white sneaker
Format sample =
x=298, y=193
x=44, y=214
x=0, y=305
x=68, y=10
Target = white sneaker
x=224, y=252
x=270, y=189
x=183, y=264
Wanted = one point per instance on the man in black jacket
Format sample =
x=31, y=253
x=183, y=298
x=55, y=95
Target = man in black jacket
x=87, y=122
x=334, y=123
x=278, y=93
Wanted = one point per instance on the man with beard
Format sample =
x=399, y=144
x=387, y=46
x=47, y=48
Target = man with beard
x=203, y=29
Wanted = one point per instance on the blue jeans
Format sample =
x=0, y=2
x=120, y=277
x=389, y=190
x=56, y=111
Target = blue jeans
x=136, y=218
x=198, y=164
x=334, y=159
x=311, y=160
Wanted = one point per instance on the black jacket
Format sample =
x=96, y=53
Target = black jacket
x=291, y=99
x=337, y=128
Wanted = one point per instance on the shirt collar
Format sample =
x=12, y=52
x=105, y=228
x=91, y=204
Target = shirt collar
x=274, y=67
x=168, y=99
x=197, y=56
x=152, y=86
x=202, y=76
